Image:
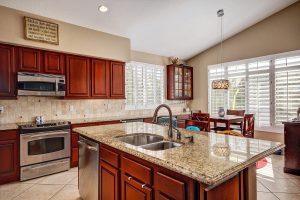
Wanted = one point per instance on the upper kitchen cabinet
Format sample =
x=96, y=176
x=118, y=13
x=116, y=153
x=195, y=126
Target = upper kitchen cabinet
x=7, y=72
x=100, y=78
x=54, y=63
x=78, y=77
x=29, y=60
x=179, y=82
x=117, y=76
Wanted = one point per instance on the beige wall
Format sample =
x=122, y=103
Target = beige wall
x=72, y=38
x=276, y=34
x=149, y=58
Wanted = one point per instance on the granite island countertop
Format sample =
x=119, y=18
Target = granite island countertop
x=204, y=160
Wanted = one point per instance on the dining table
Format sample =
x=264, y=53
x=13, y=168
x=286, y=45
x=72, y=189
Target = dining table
x=227, y=120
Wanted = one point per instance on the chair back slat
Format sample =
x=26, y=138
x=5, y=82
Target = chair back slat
x=248, y=125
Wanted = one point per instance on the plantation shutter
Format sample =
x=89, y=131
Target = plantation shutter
x=287, y=88
x=144, y=85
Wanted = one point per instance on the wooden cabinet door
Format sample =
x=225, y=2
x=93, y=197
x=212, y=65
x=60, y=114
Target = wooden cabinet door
x=117, y=79
x=100, y=79
x=29, y=60
x=7, y=72
x=78, y=77
x=132, y=189
x=9, y=154
x=109, y=182
x=54, y=63
x=167, y=187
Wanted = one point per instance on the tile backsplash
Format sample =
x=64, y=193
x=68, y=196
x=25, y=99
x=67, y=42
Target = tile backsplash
x=25, y=109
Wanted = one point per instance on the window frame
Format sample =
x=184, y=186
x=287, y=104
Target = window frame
x=272, y=73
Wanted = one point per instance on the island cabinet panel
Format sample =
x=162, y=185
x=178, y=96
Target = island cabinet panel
x=78, y=77
x=117, y=76
x=133, y=189
x=7, y=72
x=109, y=182
x=9, y=154
x=137, y=170
x=109, y=156
x=167, y=187
x=29, y=60
x=100, y=78
x=292, y=148
x=54, y=63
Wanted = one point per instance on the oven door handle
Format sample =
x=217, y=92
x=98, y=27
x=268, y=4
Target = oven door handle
x=54, y=133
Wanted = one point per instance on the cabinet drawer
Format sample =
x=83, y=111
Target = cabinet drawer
x=109, y=156
x=168, y=186
x=8, y=135
x=136, y=170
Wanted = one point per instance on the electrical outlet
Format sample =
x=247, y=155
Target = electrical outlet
x=71, y=108
x=1, y=109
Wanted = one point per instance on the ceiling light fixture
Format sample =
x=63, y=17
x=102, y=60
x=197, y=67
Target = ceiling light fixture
x=103, y=8
x=221, y=83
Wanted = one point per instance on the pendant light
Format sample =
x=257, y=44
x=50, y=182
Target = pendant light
x=221, y=83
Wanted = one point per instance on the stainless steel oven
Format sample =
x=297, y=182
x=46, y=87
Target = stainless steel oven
x=41, y=84
x=45, y=147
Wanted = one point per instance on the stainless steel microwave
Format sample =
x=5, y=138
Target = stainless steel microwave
x=34, y=84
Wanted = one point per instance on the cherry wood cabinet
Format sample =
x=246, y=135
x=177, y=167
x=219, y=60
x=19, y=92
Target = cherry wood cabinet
x=109, y=182
x=292, y=147
x=179, y=82
x=7, y=72
x=29, y=60
x=78, y=77
x=133, y=189
x=117, y=76
x=9, y=154
x=100, y=78
x=54, y=63
x=167, y=187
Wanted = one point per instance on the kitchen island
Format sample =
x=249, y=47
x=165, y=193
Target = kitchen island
x=214, y=166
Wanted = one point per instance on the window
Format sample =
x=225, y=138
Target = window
x=268, y=87
x=144, y=85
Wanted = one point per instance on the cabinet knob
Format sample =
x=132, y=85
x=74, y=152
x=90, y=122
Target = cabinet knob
x=129, y=178
x=143, y=185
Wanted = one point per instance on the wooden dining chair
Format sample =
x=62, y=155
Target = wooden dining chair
x=202, y=125
x=248, y=128
x=237, y=113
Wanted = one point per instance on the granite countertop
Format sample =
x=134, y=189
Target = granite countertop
x=202, y=160
x=9, y=126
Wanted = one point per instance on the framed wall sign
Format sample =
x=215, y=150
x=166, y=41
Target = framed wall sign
x=42, y=31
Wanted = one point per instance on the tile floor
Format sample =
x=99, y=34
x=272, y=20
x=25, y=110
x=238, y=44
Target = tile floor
x=272, y=184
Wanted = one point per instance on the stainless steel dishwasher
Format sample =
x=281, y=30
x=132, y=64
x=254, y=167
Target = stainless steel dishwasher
x=88, y=169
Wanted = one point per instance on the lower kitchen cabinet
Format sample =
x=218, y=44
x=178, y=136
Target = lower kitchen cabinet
x=109, y=182
x=9, y=156
x=133, y=189
x=168, y=187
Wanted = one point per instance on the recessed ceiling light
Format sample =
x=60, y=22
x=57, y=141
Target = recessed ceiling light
x=103, y=8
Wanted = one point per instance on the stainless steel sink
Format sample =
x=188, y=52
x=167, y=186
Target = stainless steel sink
x=161, y=145
x=139, y=139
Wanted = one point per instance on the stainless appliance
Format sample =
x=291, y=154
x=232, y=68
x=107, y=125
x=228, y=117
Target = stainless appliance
x=44, y=149
x=41, y=84
x=88, y=169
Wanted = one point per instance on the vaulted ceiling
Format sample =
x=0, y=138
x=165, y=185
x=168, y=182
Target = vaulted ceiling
x=181, y=28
